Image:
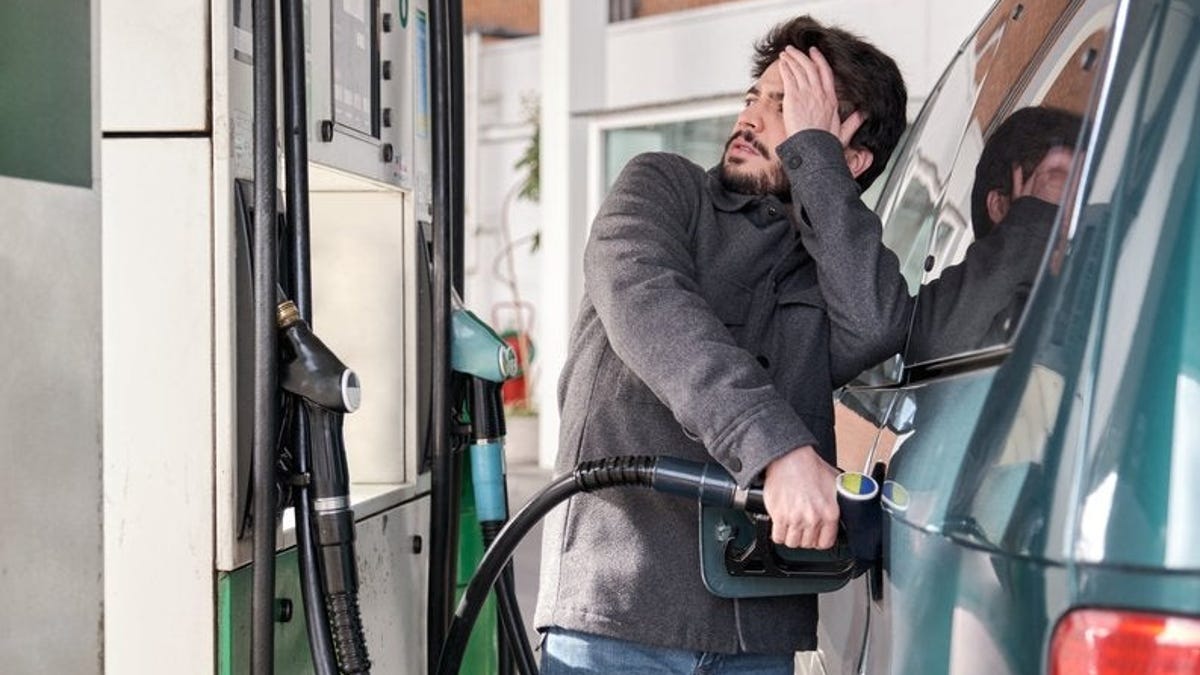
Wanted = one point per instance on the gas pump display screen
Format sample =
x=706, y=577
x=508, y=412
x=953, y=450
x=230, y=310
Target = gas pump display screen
x=355, y=65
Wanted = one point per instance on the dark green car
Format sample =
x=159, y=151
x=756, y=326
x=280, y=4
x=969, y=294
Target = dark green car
x=1040, y=435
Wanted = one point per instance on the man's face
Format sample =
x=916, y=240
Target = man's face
x=1047, y=181
x=750, y=165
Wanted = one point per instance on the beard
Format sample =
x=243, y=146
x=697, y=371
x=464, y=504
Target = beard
x=771, y=181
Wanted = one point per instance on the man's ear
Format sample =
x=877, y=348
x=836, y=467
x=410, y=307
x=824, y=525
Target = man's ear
x=859, y=160
x=997, y=205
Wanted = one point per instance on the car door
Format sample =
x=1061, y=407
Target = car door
x=958, y=422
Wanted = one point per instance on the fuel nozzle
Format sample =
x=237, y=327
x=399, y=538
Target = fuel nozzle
x=476, y=350
x=312, y=371
x=707, y=482
x=329, y=390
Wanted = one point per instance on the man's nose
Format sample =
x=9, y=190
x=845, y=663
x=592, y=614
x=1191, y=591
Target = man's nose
x=749, y=118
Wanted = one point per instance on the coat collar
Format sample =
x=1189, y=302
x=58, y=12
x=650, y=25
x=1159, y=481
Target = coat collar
x=758, y=208
x=724, y=200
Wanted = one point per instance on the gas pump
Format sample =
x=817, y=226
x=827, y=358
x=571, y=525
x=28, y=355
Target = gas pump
x=321, y=388
x=361, y=246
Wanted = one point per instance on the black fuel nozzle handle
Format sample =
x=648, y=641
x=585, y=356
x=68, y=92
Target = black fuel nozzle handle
x=334, y=520
x=311, y=370
x=709, y=482
x=328, y=389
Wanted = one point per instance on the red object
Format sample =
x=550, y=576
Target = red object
x=514, y=392
x=1108, y=642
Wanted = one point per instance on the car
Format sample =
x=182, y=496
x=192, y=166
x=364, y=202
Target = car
x=1039, y=497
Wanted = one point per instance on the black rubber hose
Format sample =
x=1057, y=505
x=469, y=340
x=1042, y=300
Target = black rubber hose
x=295, y=123
x=348, y=640
x=493, y=563
x=335, y=532
x=504, y=658
x=266, y=352
x=444, y=468
x=707, y=483
x=453, y=36
x=514, y=639
x=317, y=623
x=513, y=624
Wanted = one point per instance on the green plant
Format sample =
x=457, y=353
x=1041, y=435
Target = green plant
x=530, y=162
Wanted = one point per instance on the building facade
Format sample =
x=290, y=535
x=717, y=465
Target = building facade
x=599, y=92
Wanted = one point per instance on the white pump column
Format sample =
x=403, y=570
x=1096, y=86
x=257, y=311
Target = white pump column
x=573, y=37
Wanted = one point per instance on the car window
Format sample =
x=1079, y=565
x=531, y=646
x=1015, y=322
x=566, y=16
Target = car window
x=1044, y=55
x=986, y=231
x=947, y=128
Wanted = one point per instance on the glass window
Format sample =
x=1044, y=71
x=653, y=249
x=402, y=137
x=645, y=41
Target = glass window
x=971, y=215
x=924, y=204
x=700, y=140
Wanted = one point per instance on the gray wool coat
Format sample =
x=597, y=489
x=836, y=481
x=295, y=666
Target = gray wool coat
x=714, y=326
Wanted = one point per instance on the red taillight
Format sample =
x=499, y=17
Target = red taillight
x=1109, y=642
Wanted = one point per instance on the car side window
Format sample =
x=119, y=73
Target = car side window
x=1032, y=66
x=946, y=136
x=988, y=230
x=920, y=173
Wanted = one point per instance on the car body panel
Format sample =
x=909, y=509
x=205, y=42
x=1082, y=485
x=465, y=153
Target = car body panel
x=1055, y=471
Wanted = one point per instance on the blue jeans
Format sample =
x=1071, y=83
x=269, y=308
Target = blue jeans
x=566, y=652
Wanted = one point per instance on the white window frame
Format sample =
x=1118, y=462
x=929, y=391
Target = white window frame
x=603, y=122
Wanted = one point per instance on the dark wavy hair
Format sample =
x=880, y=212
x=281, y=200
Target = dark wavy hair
x=866, y=80
x=1024, y=138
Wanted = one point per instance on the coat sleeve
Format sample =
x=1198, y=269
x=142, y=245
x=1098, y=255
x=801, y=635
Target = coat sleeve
x=640, y=275
x=959, y=311
x=866, y=296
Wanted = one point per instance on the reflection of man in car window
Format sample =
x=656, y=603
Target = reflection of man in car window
x=1019, y=184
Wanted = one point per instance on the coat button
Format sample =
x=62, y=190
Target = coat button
x=772, y=211
x=734, y=465
x=795, y=162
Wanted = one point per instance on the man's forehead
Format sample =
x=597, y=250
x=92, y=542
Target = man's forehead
x=757, y=89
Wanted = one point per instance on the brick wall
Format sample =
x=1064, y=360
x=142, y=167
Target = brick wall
x=501, y=18
x=512, y=18
x=652, y=7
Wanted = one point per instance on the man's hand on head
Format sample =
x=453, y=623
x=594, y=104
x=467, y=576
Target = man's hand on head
x=1048, y=180
x=800, y=493
x=810, y=96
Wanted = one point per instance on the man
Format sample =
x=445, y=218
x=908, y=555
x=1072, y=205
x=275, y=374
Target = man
x=1029, y=155
x=1019, y=184
x=721, y=309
